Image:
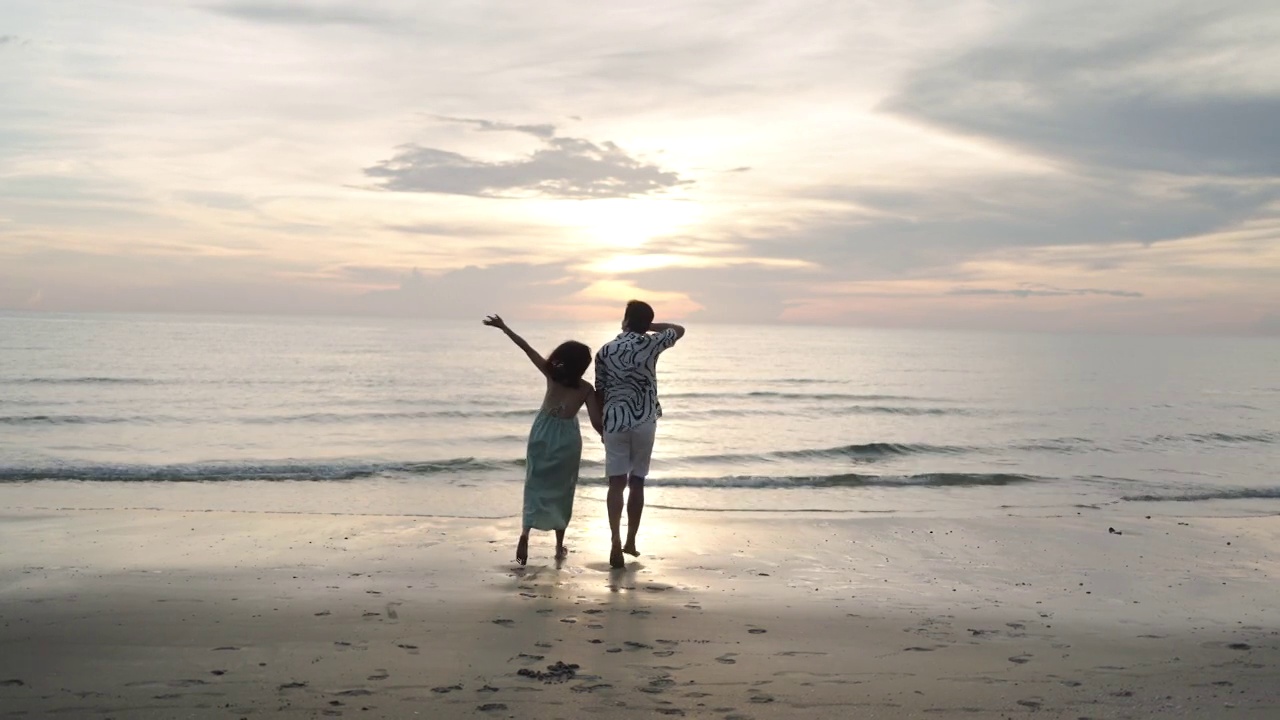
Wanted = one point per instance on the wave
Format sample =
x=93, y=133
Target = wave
x=865, y=451
x=899, y=410
x=1062, y=445
x=1219, y=437
x=779, y=395
x=838, y=480
x=69, y=419
x=79, y=381
x=200, y=472
x=340, y=470
x=317, y=417
x=1269, y=493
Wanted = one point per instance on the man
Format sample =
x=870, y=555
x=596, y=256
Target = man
x=626, y=379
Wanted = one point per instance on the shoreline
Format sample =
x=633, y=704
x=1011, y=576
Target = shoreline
x=159, y=613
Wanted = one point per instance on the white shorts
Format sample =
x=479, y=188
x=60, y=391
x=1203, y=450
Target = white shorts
x=628, y=452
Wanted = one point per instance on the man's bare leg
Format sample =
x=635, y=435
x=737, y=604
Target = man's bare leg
x=561, y=551
x=614, y=505
x=635, y=507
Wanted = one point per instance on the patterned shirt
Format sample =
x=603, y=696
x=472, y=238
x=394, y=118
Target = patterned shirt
x=626, y=376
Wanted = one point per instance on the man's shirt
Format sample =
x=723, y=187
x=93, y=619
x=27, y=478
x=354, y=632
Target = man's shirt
x=627, y=378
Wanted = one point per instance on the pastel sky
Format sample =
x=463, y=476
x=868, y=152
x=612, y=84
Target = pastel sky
x=986, y=164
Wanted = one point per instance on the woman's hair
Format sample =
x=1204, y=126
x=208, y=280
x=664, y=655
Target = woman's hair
x=568, y=362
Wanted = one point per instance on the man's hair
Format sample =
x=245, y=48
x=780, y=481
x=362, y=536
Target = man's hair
x=639, y=316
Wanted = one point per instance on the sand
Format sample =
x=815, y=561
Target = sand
x=132, y=612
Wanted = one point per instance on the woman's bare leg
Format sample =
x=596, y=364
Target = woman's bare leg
x=522, y=547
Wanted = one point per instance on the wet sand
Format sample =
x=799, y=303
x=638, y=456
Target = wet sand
x=1092, y=613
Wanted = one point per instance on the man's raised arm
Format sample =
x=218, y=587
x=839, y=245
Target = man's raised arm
x=663, y=327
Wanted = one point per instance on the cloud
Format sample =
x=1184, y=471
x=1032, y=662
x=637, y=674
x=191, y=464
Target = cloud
x=561, y=168
x=6, y=39
x=1032, y=290
x=541, y=131
x=1159, y=97
x=308, y=13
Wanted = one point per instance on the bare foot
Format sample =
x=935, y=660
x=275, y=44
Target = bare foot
x=562, y=552
x=615, y=558
x=522, y=550
x=630, y=549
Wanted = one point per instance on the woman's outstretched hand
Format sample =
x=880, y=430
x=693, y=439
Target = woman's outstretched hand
x=495, y=321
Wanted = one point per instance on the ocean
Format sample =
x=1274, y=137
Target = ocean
x=430, y=416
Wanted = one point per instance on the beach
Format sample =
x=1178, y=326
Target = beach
x=116, y=604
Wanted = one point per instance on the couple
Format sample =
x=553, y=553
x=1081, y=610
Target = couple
x=624, y=409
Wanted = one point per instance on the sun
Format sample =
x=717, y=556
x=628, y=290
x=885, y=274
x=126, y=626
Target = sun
x=622, y=223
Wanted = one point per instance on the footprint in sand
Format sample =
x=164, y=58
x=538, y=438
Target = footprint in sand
x=491, y=707
x=413, y=649
x=670, y=711
x=637, y=645
x=292, y=685
x=592, y=611
x=358, y=692
x=1021, y=659
x=918, y=649
x=445, y=689
x=757, y=631
x=760, y=698
x=727, y=659
x=504, y=622
x=595, y=626
x=12, y=683
x=1031, y=704
x=664, y=653
x=379, y=674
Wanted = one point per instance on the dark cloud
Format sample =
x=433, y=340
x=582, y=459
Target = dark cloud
x=542, y=131
x=898, y=230
x=1035, y=290
x=6, y=39
x=1100, y=103
x=308, y=13
x=561, y=168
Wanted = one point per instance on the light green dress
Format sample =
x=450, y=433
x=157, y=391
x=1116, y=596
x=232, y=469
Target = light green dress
x=551, y=470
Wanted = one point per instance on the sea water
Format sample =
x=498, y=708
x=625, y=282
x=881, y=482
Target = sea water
x=431, y=416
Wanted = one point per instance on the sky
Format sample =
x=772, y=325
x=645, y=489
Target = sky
x=1060, y=165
